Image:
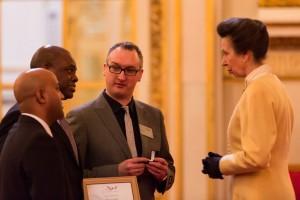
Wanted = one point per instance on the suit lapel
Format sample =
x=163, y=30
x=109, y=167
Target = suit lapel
x=144, y=120
x=108, y=118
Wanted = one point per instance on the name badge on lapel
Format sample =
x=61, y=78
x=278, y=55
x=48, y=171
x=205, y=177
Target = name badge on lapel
x=146, y=131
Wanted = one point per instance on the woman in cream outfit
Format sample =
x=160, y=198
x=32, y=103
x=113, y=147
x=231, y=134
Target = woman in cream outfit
x=260, y=127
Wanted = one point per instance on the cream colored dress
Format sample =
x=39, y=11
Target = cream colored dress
x=259, y=135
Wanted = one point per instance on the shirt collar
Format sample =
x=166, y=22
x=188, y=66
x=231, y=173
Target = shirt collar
x=257, y=73
x=42, y=122
x=116, y=106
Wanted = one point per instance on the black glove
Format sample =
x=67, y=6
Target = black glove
x=212, y=154
x=211, y=166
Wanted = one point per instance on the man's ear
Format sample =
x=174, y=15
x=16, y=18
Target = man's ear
x=140, y=75
x=40, y=96
x=104, y=66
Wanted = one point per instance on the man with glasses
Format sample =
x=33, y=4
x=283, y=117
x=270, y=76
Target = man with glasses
x=101, y=128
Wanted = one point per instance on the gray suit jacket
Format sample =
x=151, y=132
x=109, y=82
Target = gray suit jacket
x=102, y=144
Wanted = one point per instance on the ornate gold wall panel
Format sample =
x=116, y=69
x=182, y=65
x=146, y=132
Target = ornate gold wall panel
x=278, y=3
x=284, y=57
x=90, y=29
x=163, y=32
x=157, y=55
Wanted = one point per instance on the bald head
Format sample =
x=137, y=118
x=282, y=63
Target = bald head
x=61, y=63
x=29, y=82
x=37, y=92
x=46, y=56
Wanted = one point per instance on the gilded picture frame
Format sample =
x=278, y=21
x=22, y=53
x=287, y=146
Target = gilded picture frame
x=120, y=188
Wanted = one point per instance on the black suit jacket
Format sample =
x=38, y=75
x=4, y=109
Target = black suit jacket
x=31, y=164
x=73, y=171
x=7, y=122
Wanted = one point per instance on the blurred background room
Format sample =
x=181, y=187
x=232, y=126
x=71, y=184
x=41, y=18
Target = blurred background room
x=182, y=72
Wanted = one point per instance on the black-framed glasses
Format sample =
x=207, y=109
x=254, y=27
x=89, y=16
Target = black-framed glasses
x=116, y=69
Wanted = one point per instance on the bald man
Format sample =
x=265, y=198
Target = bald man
x=31, y=163
x=59, y=61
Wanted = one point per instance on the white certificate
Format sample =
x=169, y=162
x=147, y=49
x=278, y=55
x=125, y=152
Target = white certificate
x=111, y=188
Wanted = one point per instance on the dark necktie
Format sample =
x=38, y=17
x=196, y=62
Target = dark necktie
x=129, y=132
x=64, y=124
